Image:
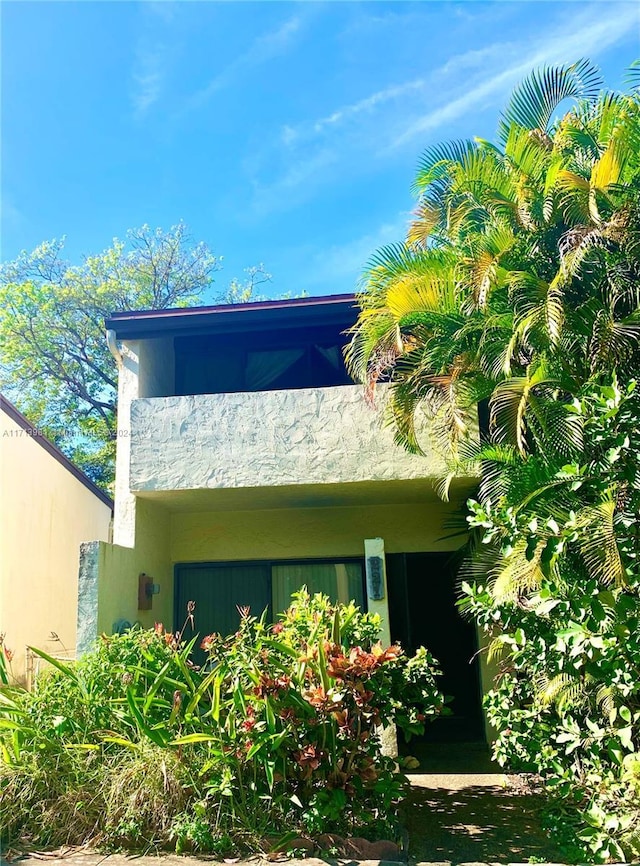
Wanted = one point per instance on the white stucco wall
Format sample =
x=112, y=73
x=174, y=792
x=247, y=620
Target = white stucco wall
x=266, y=439
x=145, y=369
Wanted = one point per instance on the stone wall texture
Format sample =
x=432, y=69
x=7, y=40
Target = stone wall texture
x=267, y=439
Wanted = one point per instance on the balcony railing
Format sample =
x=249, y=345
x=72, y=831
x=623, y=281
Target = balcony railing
x=266, y=439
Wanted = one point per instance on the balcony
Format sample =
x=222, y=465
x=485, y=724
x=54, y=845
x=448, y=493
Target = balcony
x=274, y=444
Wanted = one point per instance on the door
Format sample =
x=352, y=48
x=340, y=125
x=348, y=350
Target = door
x=218, y=591
x=423, y=612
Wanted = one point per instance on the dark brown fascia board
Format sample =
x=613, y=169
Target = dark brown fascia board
x=294, y=312
x=9, y=409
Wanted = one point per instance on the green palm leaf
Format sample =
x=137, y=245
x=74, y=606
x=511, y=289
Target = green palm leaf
x=534, y=101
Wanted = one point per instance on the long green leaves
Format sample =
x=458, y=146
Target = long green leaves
x=534, y=101
x=220, y=754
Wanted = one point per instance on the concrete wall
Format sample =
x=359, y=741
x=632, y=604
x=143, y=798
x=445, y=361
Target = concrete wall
x=108, y=590
x=267, y=439
x=45, y=514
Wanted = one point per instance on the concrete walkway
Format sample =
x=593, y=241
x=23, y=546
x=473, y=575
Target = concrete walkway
x=463, y=809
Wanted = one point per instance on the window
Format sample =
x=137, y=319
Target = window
x=341, y=581
x=281, y=360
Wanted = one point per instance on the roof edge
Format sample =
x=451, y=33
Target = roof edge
x=226, y=309
x=9, y=409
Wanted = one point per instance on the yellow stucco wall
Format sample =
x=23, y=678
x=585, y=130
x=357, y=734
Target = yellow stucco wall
x=45, y=514
x=119, y=568
x=163, y=539
x=307, y=532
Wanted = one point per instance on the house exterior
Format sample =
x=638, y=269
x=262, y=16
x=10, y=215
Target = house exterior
x=249, y=464
x=47, y=508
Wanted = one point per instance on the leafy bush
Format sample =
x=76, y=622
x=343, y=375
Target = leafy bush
x=559, y=596
x=277, y=733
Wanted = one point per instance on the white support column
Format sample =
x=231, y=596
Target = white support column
x=378, y=602
x=124, y=523
x=377, y=597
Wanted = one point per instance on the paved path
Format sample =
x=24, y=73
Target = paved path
x=462, y=809
x=474, y=819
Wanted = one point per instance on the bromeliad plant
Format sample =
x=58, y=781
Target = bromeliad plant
x=278, y=731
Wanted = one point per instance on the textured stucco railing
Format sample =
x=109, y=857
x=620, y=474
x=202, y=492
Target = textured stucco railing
x=266, y=439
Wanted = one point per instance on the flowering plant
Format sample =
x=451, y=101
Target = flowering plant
x=278, y=731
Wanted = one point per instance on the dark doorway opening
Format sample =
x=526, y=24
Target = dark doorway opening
x=423, y=612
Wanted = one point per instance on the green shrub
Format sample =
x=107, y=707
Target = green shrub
x=134, y=746
x=560, y=601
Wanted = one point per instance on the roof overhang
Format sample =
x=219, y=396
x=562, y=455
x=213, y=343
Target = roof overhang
x=336, y=310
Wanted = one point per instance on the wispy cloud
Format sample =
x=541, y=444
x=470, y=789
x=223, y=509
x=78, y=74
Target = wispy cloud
x=154, y=50
x=356, y=137
x=334, y=268
x=368, y=103
x=590, y=33
x=295, y=134
x=264, y=48
x=338, y=267
x=163, y=9
x=148, y=78
x=300, y=174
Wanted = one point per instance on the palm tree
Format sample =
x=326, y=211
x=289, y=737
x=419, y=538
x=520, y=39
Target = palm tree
x=520, y=275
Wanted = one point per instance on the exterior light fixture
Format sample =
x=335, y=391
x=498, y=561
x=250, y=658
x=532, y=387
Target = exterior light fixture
x=146, y=590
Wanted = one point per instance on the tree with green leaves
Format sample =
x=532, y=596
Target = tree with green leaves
x=518, y=288
x=519, y=276
x=55, y=363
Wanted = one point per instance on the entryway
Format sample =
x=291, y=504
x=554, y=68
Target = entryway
x=423, y=612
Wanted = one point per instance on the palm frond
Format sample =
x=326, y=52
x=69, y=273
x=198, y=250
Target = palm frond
x=519, y=575
x=428, y=215
x=508, y=407
x=597, y=543
x=632, y=76
x=563, y=690
x=605, y=700
x=435, y=161
x=535, y=99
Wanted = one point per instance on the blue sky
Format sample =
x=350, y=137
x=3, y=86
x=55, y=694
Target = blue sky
x=281, y=133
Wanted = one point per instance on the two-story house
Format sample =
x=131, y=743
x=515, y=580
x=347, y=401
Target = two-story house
x=249, y=464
